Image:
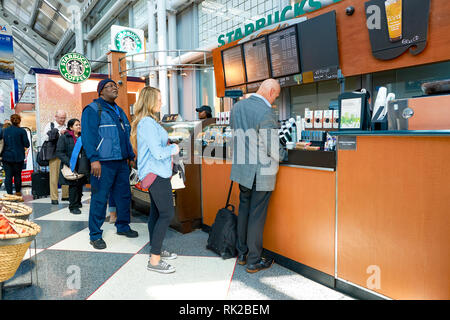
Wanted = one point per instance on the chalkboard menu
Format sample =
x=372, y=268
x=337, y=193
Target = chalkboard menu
x=256, y=64
x=283, y=50
x=318, y=44
x=233, y=66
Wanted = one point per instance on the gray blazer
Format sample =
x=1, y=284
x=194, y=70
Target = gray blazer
x=256, y=145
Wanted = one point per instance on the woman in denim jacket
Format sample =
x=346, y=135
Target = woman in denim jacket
x=154, y=164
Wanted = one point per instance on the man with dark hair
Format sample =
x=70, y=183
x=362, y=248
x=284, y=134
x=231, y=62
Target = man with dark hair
x=204, y=112
x=106, y=140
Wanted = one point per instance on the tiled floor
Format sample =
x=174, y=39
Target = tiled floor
x=67, y=267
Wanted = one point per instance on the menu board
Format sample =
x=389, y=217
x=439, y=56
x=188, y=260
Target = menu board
x=256, y=64
x=319, y=44
x=233, y=66
x=283, y=49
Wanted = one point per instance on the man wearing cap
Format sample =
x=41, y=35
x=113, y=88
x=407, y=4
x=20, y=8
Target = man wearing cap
x=106, y=140
x=204, y=112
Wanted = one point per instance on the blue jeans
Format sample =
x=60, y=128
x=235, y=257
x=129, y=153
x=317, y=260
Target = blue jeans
x=114, y=181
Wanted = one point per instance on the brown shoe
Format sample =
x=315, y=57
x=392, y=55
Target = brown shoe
x=242, y=259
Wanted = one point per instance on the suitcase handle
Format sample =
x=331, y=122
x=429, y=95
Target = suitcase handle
x=229, y=195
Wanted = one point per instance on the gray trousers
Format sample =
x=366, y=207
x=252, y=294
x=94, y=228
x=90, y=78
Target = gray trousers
x=251, y=220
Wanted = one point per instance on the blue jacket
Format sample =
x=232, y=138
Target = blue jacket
x=107, y=138
x=15, y=141
x=154, y=154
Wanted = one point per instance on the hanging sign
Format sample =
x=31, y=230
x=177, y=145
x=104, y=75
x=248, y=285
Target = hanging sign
x=6, y=51
x=396, y=26
x=129, y=40
x=74, y=67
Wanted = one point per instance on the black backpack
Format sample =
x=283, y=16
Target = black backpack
x=223, y=235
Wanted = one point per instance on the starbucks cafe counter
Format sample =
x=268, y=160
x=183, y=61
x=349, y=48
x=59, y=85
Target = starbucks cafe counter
x=374, y=225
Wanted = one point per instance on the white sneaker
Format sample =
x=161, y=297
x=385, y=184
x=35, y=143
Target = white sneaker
x=161, y=267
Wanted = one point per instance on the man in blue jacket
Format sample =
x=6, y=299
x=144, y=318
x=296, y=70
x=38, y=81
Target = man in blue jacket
x=106, y=140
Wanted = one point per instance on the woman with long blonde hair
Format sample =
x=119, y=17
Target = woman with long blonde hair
x=154, y=162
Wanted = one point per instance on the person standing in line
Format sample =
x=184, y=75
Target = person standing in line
x=16, y=142
x=50, y=129
x=106, y=140
x=154, y=164
x=255, y=170
x=64, y=150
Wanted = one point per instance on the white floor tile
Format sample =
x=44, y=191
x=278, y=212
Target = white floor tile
x=196, y=278
x=30, y=253
x=115, y=243
x=65, y=215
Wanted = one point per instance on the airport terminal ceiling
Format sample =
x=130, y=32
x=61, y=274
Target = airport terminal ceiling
x=37, y=26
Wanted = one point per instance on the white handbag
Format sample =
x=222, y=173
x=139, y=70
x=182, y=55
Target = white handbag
x=69, y=174
x=177, y=179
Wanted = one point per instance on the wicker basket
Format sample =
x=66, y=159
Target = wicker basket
x=15, y=210
x=11, y=197
x=13, y=248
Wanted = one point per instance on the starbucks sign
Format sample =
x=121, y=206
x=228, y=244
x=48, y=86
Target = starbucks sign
x=128, y=40
x=74, y=67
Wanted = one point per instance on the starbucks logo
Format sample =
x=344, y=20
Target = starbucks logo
x=74, y=67
x=128, y=41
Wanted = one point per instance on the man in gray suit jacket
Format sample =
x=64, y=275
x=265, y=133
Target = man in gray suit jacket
x=256, y=155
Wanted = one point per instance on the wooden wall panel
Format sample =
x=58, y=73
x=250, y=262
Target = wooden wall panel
x=354, y=45
x=393, y=213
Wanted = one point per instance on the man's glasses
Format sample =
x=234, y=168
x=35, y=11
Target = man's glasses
x=111, y=86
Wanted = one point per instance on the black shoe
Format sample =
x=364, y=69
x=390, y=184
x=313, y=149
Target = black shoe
x=75, y=211
x=55, y=202
x=64, y=199
x=242, y=259
x=260, y=265
x=98, y=244
x=129, y=234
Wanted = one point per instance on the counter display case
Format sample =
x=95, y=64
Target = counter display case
x=187, y=201
x=214, y=142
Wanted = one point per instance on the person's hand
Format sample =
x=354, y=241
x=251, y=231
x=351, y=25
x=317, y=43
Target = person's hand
x=131, y=163
x=96, y=169
x=63, y=131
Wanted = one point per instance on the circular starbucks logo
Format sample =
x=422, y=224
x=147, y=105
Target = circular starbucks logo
x=128, y=41
x=74, y=67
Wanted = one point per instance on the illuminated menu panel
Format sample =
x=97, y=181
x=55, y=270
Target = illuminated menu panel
x=256, y=64
x=284, y=52
x=233, y=66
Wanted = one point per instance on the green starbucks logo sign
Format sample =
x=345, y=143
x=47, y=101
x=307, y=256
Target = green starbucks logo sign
x=74, y=67
x=128, y=41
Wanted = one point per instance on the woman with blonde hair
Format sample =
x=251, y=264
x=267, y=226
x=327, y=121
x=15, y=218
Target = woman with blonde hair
x=154, y=162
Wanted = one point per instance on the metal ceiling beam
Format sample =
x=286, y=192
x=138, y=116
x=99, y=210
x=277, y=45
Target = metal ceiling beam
x=28, y=54
x=86, y=10
x=26, y=31
x=34, y=13
x=24, y=39
x=109, y=16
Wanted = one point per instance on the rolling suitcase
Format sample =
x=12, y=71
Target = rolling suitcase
x=223, y=235
x=40, y=184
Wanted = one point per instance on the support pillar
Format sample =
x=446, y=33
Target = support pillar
x=162, y=57
x=115, y=59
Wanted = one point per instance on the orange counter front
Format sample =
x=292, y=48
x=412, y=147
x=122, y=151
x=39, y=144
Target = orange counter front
x=300, y=220
x=391, y=200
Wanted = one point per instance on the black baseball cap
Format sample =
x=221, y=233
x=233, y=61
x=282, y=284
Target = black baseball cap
x=204, y=108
